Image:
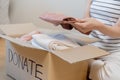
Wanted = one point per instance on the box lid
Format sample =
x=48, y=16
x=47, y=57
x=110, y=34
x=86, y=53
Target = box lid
x=81, y=38
x=16, y=41
x=81, y=53
x=17, y=29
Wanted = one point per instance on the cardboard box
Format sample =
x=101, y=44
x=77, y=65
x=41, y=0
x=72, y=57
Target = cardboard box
x=25, y=62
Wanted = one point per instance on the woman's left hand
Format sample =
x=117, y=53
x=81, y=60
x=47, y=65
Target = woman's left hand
x=87, y=25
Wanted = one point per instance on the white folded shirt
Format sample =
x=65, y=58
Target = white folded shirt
x=53, y=42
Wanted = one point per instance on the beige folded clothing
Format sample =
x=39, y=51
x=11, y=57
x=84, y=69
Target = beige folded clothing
x=106, y=68
x=52, y=44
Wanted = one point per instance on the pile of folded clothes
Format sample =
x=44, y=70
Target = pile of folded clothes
x=49, y=42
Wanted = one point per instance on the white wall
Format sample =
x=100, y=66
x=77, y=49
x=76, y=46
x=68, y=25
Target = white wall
x=22, y=11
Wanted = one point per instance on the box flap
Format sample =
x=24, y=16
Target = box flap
x=17, y=41
x=17, y=29
x=22, y=44
x=74, y=55
x=80, y=38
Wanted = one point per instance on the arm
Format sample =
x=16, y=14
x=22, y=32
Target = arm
x=112, y=31
x=87, y=12
x=89, y=24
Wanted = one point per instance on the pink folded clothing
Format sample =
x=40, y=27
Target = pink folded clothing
x=58, y=19
x=28, y=37
x=53, y=17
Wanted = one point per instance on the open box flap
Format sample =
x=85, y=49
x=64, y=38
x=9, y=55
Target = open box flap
x=77, y=54
x=81, y=38
x=17, y=29
x=21, y=44
x=17, y=41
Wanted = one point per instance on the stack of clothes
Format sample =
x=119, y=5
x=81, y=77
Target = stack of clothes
x=49, y=42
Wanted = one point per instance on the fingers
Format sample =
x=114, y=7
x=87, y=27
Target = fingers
x=80, y=20
x=67, y=26
x=73, y=21
x=81, y=27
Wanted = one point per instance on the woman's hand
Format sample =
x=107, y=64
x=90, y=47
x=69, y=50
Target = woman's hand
x=87, y=25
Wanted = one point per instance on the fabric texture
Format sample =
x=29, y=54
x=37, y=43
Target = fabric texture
x=4, y=16
x=106, y=68
x=108, y=12
x=52, y=43
x=58, y=19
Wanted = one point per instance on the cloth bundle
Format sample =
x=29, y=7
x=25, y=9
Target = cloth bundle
x=106, y=68
x=52, y=43
x=58, y=19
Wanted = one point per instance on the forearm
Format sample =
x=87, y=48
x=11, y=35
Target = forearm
x=87, y=12
x=112, y=31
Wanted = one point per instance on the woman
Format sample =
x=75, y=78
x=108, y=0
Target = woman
x=103, y=21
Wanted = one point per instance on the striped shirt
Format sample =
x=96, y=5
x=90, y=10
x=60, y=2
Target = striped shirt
x=108, y=12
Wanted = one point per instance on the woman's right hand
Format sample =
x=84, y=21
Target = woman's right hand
x=87, y=25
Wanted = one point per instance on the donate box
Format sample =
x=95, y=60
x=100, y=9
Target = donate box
x=26, y=62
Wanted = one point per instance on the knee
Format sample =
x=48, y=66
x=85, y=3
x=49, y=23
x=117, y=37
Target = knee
x=104, y=70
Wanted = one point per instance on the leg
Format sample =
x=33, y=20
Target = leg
x=106, y=68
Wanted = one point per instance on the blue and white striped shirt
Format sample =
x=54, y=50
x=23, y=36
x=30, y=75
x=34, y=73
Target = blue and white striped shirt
x=108, y=12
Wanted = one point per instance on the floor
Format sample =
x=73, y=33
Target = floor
x=2, y=61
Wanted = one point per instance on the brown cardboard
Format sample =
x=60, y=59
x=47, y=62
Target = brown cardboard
x=74, y=55
x=82, y=38
x=20, y=29
x=25, y=62
x=41, y=65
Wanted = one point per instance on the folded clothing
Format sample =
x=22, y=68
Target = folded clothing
x=53, y=18
x=28, y=37
x=58, y=19
x=106, y=68
x=52, y=43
